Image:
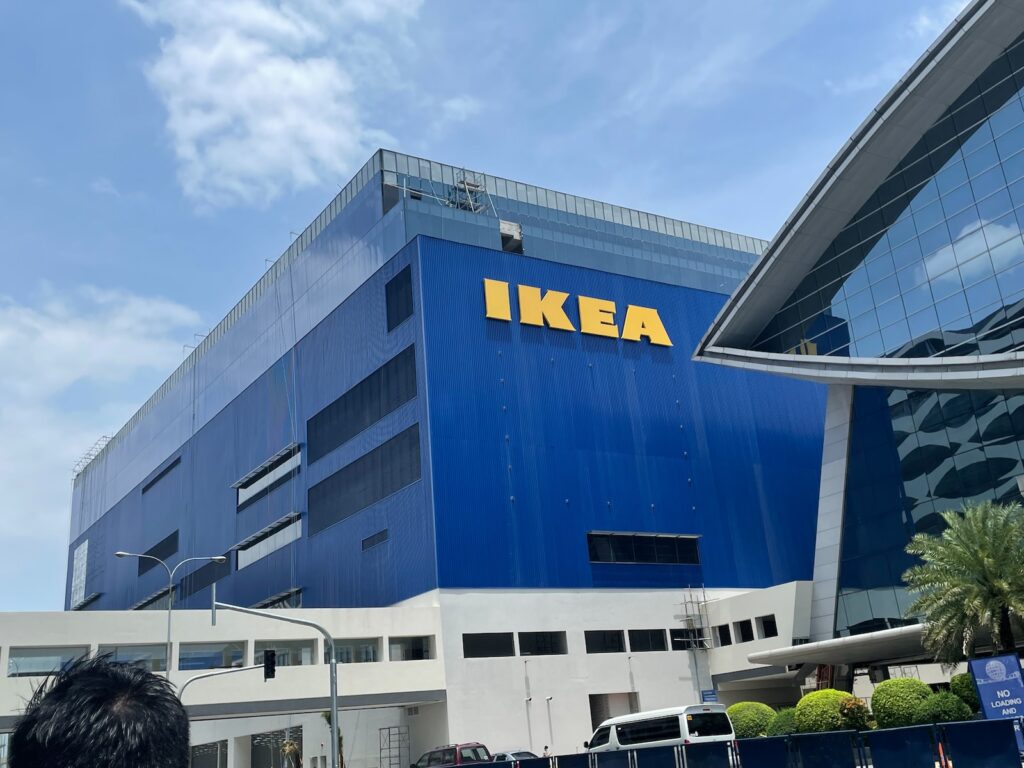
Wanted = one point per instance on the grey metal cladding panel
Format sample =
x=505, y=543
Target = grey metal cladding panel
x=962, y=53
x=985, y=372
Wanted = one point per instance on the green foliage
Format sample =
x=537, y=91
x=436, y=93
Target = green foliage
x=894, y=701
x=942, y=707
x=783, y=724
x=854, y=714
x=750, y=718
x=963, y=686
x=819, y=711
x=971, y=579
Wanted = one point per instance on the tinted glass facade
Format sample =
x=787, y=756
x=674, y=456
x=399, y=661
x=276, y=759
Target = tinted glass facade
x=933, y=263
x=914, y=454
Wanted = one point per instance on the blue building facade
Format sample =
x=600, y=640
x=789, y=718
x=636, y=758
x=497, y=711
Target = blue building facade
x=399, y=440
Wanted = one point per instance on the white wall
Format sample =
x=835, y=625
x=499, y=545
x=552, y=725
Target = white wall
x=789, y=603
x=455, y=699
x=487, y=697
x=94, y=628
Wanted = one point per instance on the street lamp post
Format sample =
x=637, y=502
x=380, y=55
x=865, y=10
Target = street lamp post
x=170, y=587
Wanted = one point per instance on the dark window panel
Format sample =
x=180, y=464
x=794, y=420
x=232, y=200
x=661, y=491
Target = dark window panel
x=379, y=394
x=641, y=640
x=163, y=549
x=398, y=296
x=605, y=640
x=744, y=631
x=378, y=538
x=542, y=644
x=384, y=470
x=481, y=645
x=203, y=577
x=640, y=548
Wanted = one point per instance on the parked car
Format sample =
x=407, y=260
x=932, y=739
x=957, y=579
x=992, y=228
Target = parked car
x=454, y=755
x=663, y=727
x=513, y=755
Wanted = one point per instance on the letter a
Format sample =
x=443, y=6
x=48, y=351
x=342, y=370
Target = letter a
x=546, y=309
x=496, y=300
x=644, y=321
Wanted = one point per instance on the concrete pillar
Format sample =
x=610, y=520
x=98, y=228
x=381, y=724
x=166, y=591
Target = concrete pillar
x=240, y=752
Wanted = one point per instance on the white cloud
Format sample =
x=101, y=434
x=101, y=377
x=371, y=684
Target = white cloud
x=59, y=352
x=104, y=186
x=723, y=44
x=263, y=96
x=931, y=20
x=460, y=108
x=939, y=266
x=909, y=43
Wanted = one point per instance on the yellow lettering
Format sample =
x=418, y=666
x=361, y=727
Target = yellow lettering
x=597, y=317
x=496, y=300
x=543, y=309
x=644, y=321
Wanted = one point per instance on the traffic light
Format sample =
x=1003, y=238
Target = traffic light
x=269, y=664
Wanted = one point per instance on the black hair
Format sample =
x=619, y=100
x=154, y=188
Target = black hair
x=96, y=713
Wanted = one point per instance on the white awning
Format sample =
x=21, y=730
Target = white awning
x=886, y=646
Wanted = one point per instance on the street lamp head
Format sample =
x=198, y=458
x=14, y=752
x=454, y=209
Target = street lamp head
x=219, y=559
x=121, y=554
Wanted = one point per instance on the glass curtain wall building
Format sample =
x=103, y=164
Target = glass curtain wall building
x=920, y=290
x=453, y=380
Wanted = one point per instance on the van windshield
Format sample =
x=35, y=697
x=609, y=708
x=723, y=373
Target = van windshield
x=600, y=737
x=708, y=724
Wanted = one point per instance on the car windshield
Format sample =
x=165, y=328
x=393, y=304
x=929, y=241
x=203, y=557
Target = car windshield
x=475, y=754
x=523, y=755
x=708, y=724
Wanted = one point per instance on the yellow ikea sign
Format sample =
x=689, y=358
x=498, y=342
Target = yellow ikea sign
x=597, y=316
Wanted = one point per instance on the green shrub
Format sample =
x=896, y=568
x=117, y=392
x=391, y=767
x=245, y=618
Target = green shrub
x=783, y=724
x=893, y=701
x=854, y=714
x=819, y=711
x=942, y=707
x=962, y=686
x=750, y=718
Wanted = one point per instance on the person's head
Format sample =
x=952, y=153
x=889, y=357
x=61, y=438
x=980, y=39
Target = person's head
x=100, y=714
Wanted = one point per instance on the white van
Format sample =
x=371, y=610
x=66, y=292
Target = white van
x=663, y=728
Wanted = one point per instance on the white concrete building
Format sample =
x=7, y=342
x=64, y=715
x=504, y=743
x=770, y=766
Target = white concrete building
x=511, y=669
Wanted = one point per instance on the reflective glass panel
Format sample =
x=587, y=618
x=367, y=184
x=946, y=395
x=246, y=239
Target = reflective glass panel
x=929, y=265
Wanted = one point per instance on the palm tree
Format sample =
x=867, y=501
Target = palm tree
x=971, y=579
x=291, y=754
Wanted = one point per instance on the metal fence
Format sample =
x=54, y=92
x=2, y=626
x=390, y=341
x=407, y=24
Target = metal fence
x=972, y=744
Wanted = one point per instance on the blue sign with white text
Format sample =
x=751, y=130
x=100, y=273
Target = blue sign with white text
x=709, y=696
x=1000, y=689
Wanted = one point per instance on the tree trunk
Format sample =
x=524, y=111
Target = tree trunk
x=1007, y=643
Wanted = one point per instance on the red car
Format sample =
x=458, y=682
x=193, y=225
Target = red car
x=453, y=755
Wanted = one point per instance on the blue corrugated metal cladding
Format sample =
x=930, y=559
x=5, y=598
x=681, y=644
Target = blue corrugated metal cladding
x=541, y=435
x=530, y=437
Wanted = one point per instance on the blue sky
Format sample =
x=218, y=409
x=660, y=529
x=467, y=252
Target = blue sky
x=154, y=156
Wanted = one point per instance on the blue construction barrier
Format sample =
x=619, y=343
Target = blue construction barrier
x=713, y=754
x=612, y=759
x=914, y=747
x=768, y=752
x=575, y=761
x=534, y=762
x=971, y=744
x=832, y=749
x=981, y=744
x=656, y=757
